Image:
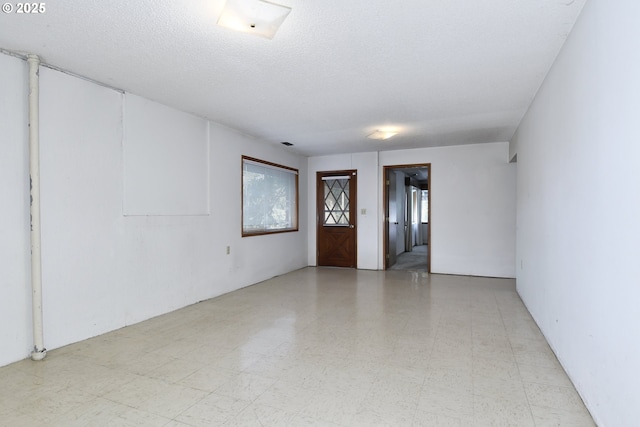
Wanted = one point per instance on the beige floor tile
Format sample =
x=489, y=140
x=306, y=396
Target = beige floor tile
x=550, y=417
x=175, y=370
x=495, y=368
x=382, y=417
x=402, y=373
x=179, y=349
x=16, y=386
x=137, y=391
x=213, y=410
x=389, y=402
x=493, y=350
x=556, y=397
x=453, y=362
x=174, y=423
x=237, y=360
x=283, y=395
x=172, y=400
x=297, y=420
x=512, y=390
x=524, y=343
x=445, y=401
x=103, y=381
x=333, y=406
x=270, y=366
x=44, y=405
x=259, y=416
x=544, y=375
x=137, y=363
x=315, y=347
x=453, y=378
x=393, y=392
x=91, y=413
x=542, y=358
x=208, y=378
x=134, y=417
x=496, y=411
x=417, y=359
x=245, y=386
x=426, y=419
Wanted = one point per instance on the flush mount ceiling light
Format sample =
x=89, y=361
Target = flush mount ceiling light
x=382, y=134
x=257, y=17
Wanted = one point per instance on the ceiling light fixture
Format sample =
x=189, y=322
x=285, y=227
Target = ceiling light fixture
x=382, y=134
x=257, y=17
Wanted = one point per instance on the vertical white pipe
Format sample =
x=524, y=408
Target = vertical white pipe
x=39, y=352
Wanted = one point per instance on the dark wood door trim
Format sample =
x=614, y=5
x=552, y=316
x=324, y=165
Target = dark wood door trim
x=385, y=201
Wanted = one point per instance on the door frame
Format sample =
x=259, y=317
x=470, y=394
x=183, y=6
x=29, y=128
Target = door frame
x=385, y=209
x=353, y=208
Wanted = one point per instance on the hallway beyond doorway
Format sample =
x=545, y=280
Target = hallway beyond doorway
x=407, y=212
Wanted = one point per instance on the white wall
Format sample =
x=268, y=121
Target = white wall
x=15, y=295
x=368, y=198
x=513, y=148
x=81, y=167
x=103, y=270
x=473, y=206
x=579, y=209
x=473, y=193
x=166, y=160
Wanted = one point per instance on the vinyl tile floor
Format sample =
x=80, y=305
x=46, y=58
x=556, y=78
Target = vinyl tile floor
x=315, y=347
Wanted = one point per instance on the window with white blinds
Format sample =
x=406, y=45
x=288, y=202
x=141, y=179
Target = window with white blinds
x=269, y=197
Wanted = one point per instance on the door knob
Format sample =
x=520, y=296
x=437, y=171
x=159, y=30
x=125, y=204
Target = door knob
x=352, y=226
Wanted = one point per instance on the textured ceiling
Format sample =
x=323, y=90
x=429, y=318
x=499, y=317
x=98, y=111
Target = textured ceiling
x=445, y=72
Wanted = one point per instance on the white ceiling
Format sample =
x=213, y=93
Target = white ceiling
x=444, y=71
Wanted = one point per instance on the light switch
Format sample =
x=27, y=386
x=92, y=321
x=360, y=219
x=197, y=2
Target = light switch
x=363, y=211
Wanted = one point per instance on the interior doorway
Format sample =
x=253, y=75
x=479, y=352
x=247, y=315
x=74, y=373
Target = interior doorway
x=336, y=218
x=407, y=225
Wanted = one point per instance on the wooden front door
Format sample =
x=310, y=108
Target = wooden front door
x=336, y=218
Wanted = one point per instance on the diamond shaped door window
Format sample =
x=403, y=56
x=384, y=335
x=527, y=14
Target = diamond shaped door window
x=336, y=201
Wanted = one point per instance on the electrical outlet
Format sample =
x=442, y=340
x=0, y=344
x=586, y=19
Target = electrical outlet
x=228, y=250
